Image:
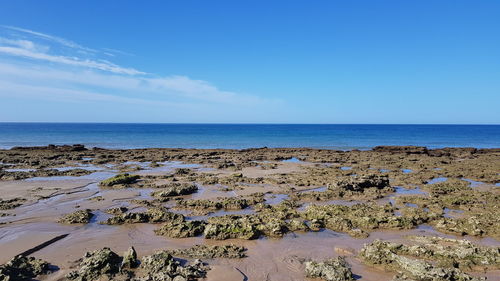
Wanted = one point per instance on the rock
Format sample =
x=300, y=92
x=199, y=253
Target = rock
x=81, y=216
x=336, y=269
x=181, y=229
x=7, y=204
x=174, y=189
x=103, y=262
x=119, y=180
x=153, y=215
x=129, y=259
x=360, y=183
x=399, y=258
x=162, y=266
x=210, y=252
x=117, y=210
x=23, y=268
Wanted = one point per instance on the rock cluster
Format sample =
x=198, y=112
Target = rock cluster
x=119, y=180
x=7, y=204
x=80, y=216
x=336, y=269
x=23, y=268
x=437, y=259
x=174, y=189
x=210, y=252
x=152, y=215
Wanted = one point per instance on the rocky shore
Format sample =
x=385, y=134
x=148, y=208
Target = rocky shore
x=390, y=213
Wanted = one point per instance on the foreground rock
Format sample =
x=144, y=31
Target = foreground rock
x=336, y=269
x=93, y=265
x=81, y=216
x=162, y=266
x=210, y=252
x=436, y=259
x=23, y=268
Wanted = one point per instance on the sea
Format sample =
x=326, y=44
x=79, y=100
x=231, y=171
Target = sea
x=240, y=136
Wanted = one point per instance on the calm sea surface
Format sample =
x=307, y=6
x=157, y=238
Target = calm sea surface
x=248, y=135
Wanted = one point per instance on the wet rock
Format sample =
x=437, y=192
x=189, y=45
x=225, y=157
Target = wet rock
x=360, y=183
x=153, y=215
x=207, y=205
x=181, y=229
x=336, y=269
x=119, y=180
x=96, y=264
x=162, y=266
x=174, y=189
x=129, y=259
x=412, y=262
x=80, y=216
x=22, y=268
x=96, y=198
x=117, y=210
x=227, y=227
x=210, y=252
x=7, y=204
x=359, y=218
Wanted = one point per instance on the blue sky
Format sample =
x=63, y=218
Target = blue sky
x=250, y=61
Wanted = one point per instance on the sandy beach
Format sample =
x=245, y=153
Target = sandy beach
x=281, y=208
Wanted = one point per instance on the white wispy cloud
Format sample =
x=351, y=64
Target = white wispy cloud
x=40, y=69
x=73, y=61
x=55, y=39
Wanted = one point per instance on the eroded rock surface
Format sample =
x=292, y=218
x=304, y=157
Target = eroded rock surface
x=336, y=269
x=22, y=268
x=80, y=216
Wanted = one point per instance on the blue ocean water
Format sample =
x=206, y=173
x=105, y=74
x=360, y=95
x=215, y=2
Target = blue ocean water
x=239, y=136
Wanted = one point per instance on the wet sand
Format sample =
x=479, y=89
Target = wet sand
x=48, y=198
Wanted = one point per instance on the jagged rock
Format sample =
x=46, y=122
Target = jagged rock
x=336, y=269
x=397, y=257
x=120, y=179
x=162, y=266
x=117, y=210
x=174, y=189
x=103, y=262
x=22, y=268
x=210, y=252
x=181, y=229
x=153, y=215
x=129, y=259
x=8, y=204
x=80, y=216
x=360, y=183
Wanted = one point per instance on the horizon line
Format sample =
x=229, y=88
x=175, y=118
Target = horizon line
x=249, y=123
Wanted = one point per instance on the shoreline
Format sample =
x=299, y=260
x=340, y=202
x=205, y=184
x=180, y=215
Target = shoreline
x=292, y=205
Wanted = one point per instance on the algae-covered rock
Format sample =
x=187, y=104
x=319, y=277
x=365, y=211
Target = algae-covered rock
x=413, y=262
x=174, y=189
x=360, y=218
x=210, y=252
x=96, y=264
x=22, y=268
x=129, y=259
x=162, y=266
x=117, y=210
x=153, y=215
x=80, y=216
x=120, y=179
x=336, y=269
x=226, y=227
x=7, y=204
x=360, y=183
x=181, y=229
